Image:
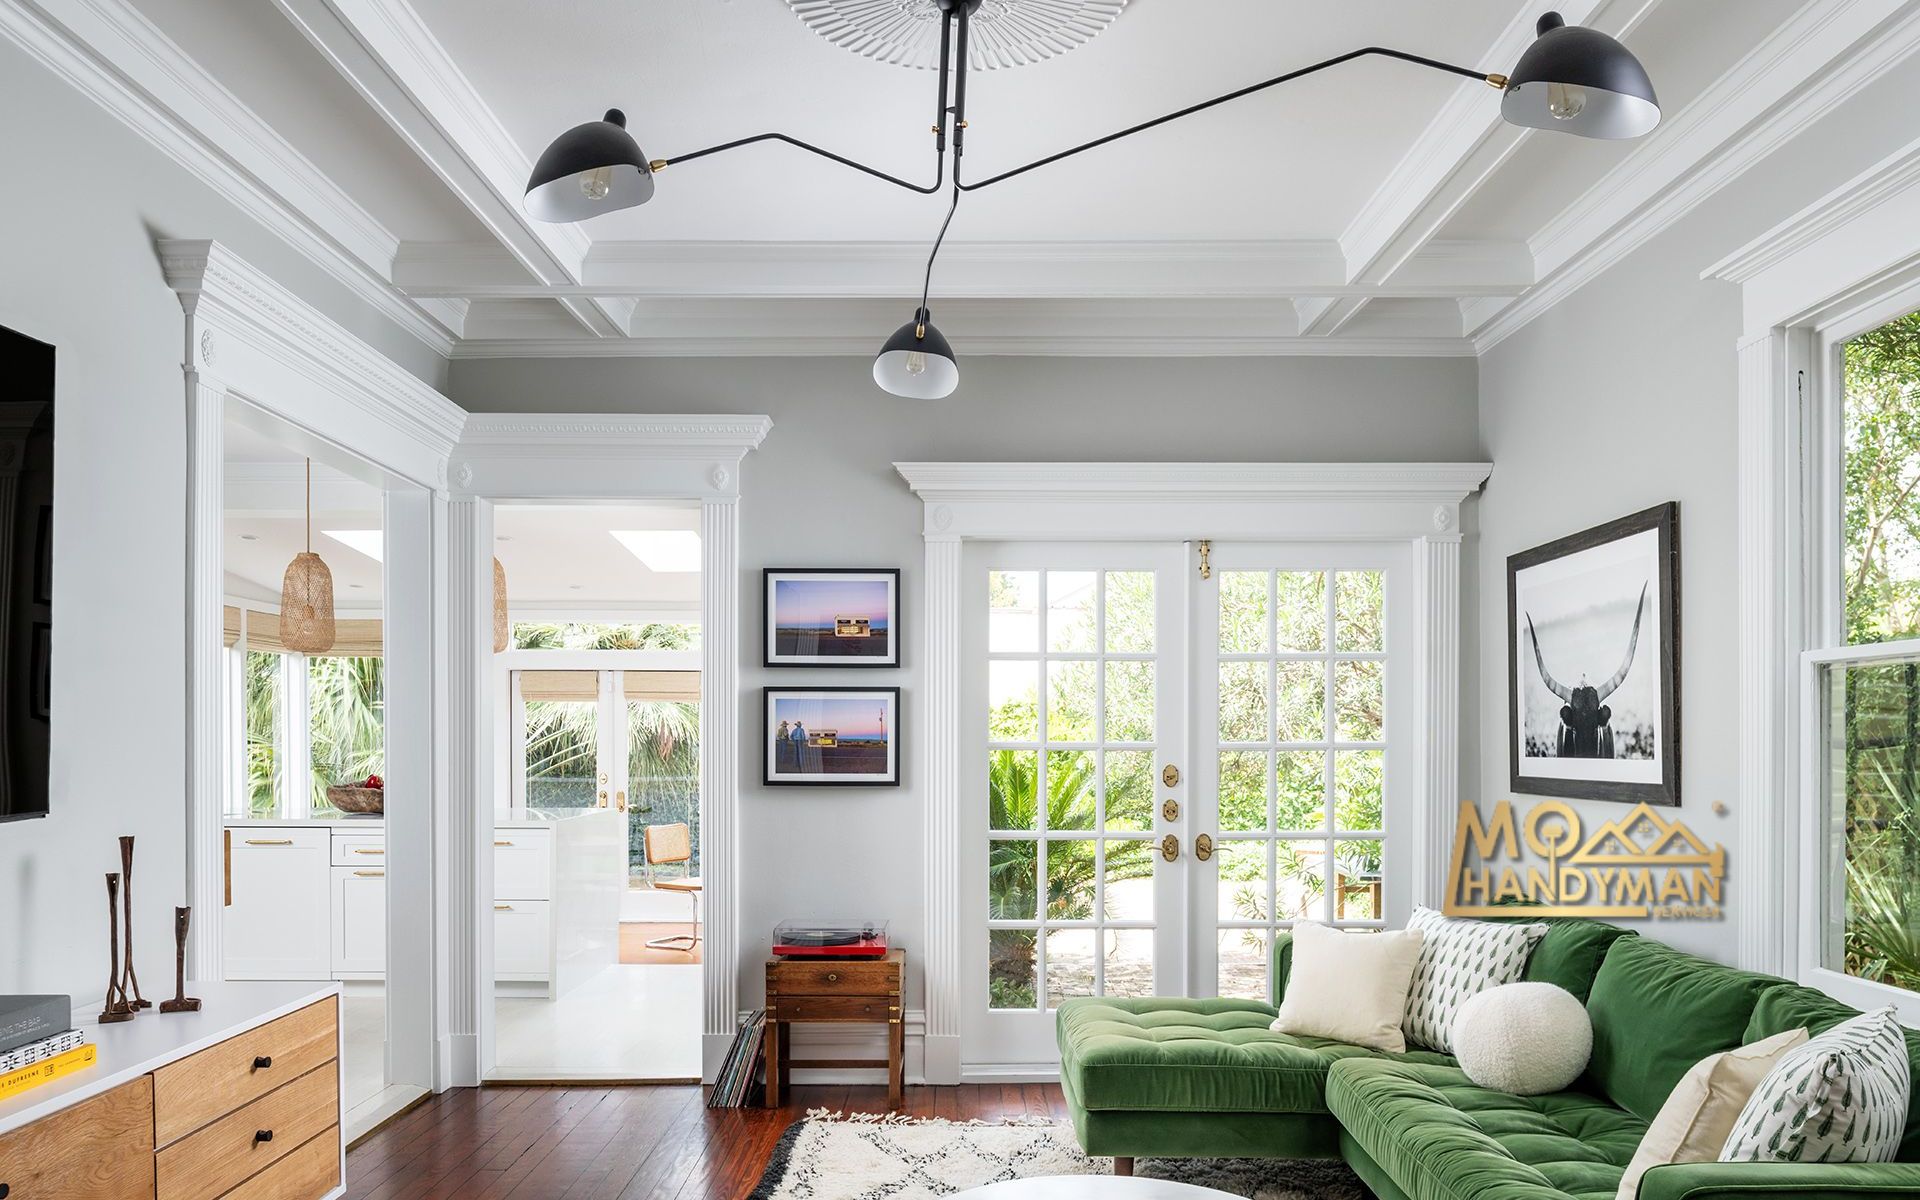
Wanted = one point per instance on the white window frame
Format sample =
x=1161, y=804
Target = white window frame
x=1846, y=263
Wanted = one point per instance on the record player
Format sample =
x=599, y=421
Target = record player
x=830, y=939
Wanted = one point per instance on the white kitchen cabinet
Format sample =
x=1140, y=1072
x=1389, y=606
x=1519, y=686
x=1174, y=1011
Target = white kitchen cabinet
x=522, y=941
x=523, y=864
x=279, y=923
x=359, y=923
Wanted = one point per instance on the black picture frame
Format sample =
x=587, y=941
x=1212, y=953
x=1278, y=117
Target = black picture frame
x=856, y=646
x=772, y=736
x=40, y=682
x=1587, y=716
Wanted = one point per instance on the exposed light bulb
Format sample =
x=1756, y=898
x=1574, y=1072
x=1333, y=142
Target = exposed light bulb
x=1566, y=101
x=916, y=363
x=597, y=183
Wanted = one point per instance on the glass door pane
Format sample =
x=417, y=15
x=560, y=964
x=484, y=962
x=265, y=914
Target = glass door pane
x=562, y=735
x=663, y=780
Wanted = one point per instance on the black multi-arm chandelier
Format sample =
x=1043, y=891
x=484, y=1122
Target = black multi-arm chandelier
x=1571, y=80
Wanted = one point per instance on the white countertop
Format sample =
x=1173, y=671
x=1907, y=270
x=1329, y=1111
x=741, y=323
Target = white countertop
x=531, y=819
x=130, y=1049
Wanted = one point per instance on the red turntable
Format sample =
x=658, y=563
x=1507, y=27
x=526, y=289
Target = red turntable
x=830, y=939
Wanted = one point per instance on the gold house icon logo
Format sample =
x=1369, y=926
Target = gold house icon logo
x=1642, y=865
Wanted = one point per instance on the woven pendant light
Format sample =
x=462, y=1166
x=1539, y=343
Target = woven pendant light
x=499, y=607
x=306, y=595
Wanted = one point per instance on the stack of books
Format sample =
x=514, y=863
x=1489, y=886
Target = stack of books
x=38, y=1042
x=733, y=1087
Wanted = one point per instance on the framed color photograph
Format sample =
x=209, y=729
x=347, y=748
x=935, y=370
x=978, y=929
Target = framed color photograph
x=832, y=618
x=1593, y=645
x=832, y=737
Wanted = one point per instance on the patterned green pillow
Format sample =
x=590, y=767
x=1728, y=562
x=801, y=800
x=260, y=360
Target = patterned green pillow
x=1459, y=959
x=1842, y=1097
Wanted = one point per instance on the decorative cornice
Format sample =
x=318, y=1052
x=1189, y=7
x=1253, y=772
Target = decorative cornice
x=1891, y=177
x=1436, y=483
x=520, y=435
x=217, y=286
x=123, y=62
x=1063, y=346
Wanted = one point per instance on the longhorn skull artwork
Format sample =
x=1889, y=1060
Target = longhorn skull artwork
x=1586, y=729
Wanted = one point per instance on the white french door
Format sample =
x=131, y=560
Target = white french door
x=1166, y=768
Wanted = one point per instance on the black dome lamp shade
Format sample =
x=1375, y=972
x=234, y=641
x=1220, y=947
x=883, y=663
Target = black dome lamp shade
x=588, y=170
x=1580, y=81
x=917, y=362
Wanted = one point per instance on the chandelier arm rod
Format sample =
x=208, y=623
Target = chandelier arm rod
x=939, y=179
x=926, y=286
x=1290, y=76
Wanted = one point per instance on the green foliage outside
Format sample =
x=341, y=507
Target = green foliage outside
x=263, y=697
x=593, y=635
x=347, y=728
x=1880, y=703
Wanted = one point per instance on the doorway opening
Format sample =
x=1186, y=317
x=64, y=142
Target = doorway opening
x=597, y=889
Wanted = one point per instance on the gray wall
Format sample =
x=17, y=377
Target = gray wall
x=822, y=492
x=1624, y=396
x=81, y=203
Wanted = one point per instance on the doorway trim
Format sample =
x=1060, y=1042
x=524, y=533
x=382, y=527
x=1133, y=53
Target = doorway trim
x=258, y=354
x=601, y=458
x=1416, y=503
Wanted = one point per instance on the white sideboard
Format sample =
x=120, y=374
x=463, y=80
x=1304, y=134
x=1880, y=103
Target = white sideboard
x=308, y=899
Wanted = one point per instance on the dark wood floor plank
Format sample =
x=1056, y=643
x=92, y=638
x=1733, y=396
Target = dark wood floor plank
x=601, y=1143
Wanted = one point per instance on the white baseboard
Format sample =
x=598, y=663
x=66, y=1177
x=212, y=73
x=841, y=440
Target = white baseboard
x=1037, y=1072
x=941, y=1056
x=458, y=1061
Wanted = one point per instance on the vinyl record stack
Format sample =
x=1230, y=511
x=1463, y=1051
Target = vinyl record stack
x=38, y=1042
x=733, y=1087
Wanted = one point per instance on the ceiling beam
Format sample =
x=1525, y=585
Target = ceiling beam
x=388, y=54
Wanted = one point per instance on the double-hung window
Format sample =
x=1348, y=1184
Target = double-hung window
x=1860, y=705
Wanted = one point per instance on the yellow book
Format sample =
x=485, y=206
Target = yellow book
x=48, y=1070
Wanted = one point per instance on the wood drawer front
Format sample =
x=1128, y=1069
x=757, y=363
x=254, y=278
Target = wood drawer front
x=228, y=1152
x=197, y=1089
x=835, y=1008
x=99, y=1149
x=306, y=1174
x=835, y=978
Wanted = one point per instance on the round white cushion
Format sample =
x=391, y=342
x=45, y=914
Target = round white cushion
x=1523, y=1038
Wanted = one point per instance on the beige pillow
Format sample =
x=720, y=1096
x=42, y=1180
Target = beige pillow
x=1694, y=1122
x=1350, y=987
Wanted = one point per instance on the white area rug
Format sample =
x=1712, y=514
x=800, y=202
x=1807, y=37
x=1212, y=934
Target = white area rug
x=867, y=1157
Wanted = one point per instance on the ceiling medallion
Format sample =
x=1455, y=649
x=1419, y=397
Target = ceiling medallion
x=1006, y=33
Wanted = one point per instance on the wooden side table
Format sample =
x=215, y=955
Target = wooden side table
x=837, y=991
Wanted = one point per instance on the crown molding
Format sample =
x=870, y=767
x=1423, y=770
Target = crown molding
x=247, y=331
x=627, y=456
x=1888, y=179
x=1009, y=346
x=123, y=62
x=1814, y=62
x=1160, y=482
x=699, y=435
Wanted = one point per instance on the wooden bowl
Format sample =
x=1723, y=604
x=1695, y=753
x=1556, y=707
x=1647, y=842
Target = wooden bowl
x=358, y=799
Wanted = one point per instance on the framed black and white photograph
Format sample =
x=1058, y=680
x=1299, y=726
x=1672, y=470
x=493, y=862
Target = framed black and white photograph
x=1593, y=643
x=834, y=617
x=832, y=737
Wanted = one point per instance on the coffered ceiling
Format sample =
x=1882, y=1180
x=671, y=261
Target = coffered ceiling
x=1374, y=209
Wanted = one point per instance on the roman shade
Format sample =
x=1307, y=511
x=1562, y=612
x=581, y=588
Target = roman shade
x=680, y=686
x=356, y=638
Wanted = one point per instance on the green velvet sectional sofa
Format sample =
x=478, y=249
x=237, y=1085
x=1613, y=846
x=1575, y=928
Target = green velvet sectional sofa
x=1208, y=1079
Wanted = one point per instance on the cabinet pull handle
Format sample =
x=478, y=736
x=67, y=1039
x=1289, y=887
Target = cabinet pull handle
x=503, y=843
x=371, y=874
x=365, y=850
x=262, y=1135
x=269, y=841
x=5, y=1191
x=833, y=977
x=262, y=1061
x=503, y=908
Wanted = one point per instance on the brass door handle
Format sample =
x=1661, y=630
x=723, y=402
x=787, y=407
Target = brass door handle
x=620, y=798
x=603, y=797
x=1170, y=847
x=1203, y=847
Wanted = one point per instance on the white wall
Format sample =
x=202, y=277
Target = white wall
x=81, y=202
x=821, y=491
x=1624, y=396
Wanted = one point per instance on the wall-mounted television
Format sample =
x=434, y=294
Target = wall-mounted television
x=26, y=573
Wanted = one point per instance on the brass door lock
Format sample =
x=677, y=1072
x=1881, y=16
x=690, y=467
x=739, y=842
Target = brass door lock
x=1171, y=809
x=1203, y=847
x=1170, y=847
x=1170, y=775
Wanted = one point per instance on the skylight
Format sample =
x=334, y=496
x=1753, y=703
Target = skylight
x=668, y=551
x=366, y=541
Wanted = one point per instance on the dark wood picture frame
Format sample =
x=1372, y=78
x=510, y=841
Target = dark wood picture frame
x=770, y=655
x=767, y=731
x=40, y=681
x=43, y=557
x=1664, y=519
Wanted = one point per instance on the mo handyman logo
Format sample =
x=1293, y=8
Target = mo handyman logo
x=1642, y=865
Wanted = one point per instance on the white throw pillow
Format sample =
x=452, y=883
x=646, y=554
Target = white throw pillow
x=1694, y=1123
x=1842, y=1097
x=1459, y=959
x=1525, y=1038
x=1350, y=987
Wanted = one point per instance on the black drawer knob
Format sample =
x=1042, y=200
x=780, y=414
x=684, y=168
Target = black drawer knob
x=262, y=1062
x=5, y=1191
x=262, y=1135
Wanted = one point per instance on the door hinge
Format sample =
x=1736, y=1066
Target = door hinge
x=1206, y=559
